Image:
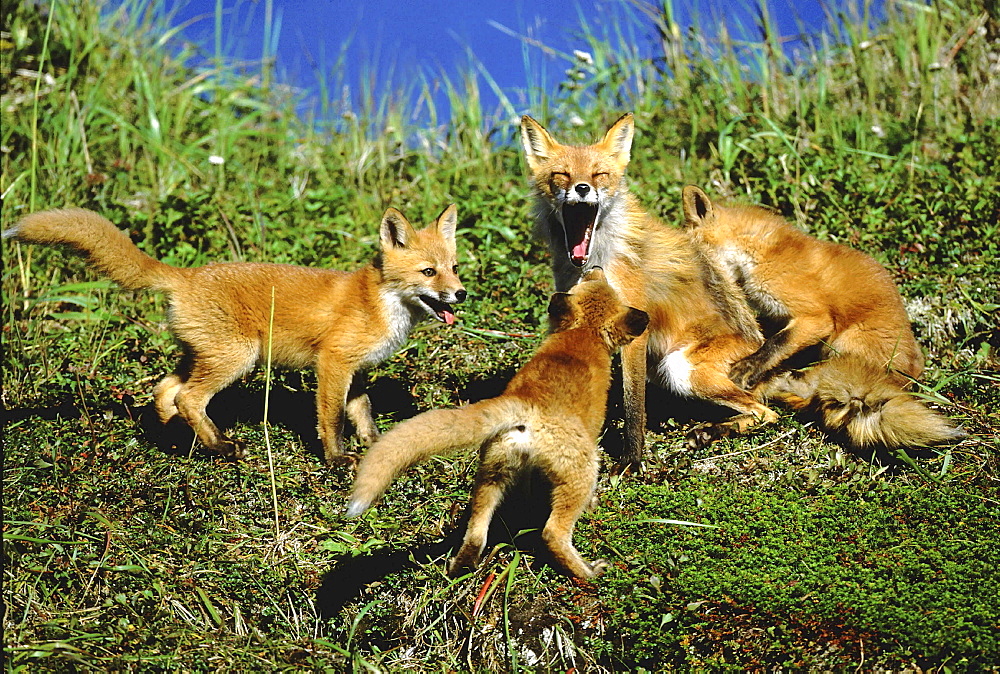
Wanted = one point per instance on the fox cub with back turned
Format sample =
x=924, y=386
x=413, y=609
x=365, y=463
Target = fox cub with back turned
x=548, y=418
x=831, y=296
x=337, y=322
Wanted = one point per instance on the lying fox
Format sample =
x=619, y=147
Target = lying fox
x=829, y=295
x=548, y=418
x=340, y=323
x=700, y=324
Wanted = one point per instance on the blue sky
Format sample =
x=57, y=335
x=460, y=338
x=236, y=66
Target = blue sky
x=397, y=41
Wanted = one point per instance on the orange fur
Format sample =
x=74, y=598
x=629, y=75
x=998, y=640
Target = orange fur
x=825, y=295
x=548, y=418
x=337, y=322
x=700, y=323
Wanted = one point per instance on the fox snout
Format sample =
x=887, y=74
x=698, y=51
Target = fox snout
x=439, y=303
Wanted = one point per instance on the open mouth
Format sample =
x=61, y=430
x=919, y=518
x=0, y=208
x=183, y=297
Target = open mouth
x=440, y=310
x=578, y=225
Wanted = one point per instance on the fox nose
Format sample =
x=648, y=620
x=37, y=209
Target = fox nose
x=460, y=295
x=582, y=189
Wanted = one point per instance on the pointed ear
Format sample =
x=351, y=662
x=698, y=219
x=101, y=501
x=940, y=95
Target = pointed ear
x=537, y=143
x=396, y=231
x=447, y=222
x=560, y=312
x=698, y=208
x=618, y=139
x=634, y=322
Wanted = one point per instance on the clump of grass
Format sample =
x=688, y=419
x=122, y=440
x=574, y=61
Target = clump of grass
x=118, y=553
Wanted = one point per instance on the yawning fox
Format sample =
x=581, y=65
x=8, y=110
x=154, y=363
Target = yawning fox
x=699, y=322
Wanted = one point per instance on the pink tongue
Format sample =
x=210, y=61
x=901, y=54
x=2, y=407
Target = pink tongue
x=449, y=317
x=579, y=252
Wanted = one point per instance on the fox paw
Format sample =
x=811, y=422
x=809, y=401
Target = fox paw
x=349, y=459
x=705, y=434
x=627, y=467
x=598, y=567
x=466, y=560
x=745, y=373
x=232, y=449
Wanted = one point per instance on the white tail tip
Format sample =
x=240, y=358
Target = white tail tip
x=355, y=508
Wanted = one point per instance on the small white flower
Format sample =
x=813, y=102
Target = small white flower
x=576, y=121
x=878, y=130
x=216, y=159
x=583, y=56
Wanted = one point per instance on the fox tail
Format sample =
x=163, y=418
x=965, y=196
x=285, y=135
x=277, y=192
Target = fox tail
x=106, y=247
x=428, y=434
x=868, y=405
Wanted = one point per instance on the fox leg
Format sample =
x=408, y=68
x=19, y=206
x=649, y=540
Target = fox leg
x=634, y=383
x=208, y=376
x=359, y=410
x=572, y=493
x=334, y=376
x=709, y=383
x=800, y=332
x=502, y=459
x=165, y=397
x=165, y=393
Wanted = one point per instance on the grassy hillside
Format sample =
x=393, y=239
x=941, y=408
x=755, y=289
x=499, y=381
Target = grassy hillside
x=121, y=551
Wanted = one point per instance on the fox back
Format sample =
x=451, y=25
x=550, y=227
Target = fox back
x=829, y=296
x=789, y=275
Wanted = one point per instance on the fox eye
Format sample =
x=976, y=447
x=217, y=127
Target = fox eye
x=600, y=175
x=454, y=269
x=560, y=178
x=428, y=272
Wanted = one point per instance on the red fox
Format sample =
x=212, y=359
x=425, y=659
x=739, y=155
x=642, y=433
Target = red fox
x=829, y=295
x=548, y=418
x=337, y=322
x=699, y=322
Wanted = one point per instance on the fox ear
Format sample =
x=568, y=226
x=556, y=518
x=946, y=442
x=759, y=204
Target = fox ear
x=537, y=143
x=634, y=322
x=396, y=231
x=560, y=312
x=698, y=208
x=447, y=222
x=618, y=139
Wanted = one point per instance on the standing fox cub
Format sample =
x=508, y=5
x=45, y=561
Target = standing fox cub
x=828, y=295
x=547, y=418
x=338, y=322
x=700, y=324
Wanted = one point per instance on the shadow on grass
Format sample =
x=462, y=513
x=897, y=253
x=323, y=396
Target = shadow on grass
x=518, y=522
x=292, y=409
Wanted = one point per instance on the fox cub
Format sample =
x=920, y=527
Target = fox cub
x=699, y=321
x=825, y=295
x=548, y=418
x=337, y=322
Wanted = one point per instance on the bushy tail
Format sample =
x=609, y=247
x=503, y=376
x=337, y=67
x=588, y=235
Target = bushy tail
x=426, y=435
x=107, y=248
x=868, y=405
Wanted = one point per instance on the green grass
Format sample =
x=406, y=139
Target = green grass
x=122, y=553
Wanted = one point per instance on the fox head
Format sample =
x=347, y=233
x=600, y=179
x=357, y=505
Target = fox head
x=578, y=184
x=421, y=266
x=592, y=303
